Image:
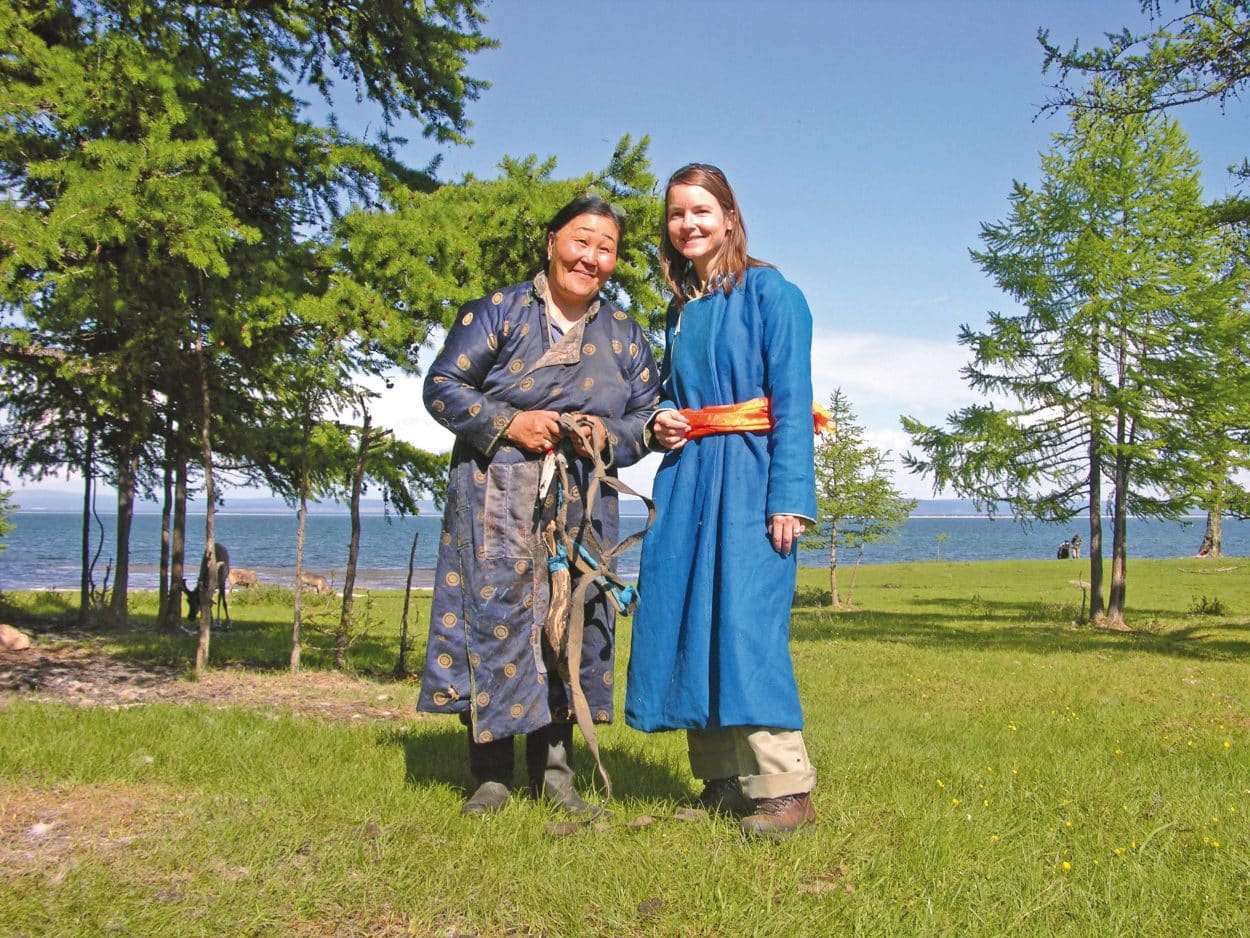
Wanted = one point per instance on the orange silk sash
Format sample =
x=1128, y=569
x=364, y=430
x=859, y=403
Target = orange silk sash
x=754, y=414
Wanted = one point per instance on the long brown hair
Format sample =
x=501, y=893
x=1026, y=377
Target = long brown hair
x=731, y=261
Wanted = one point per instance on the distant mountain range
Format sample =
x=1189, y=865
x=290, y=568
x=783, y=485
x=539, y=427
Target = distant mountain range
x=53, y=500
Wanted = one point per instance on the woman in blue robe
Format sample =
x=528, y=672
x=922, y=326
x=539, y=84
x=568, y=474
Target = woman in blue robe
x=710, y=650
x=512, y=364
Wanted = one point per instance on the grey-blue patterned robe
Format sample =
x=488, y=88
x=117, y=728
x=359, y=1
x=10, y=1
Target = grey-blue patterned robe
x=486, y=655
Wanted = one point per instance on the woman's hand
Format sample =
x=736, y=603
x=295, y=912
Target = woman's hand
x=785, y=530
x=535, y=430
x=585, y=436
x=670, y=428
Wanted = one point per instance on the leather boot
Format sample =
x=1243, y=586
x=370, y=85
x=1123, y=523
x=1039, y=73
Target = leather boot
x=777, y=818
x=490, y=764
x=724, y=796
x=548, y=759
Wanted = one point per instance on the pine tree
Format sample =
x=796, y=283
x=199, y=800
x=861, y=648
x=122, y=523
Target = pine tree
x=857, y=501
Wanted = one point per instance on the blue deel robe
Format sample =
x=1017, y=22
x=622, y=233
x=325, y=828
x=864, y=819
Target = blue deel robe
x=486, y=656
x=711, y=633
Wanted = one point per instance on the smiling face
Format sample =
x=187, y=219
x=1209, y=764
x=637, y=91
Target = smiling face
x=581, y=258
x=697, y=225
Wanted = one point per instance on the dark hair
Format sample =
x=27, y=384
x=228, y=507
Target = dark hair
x=731, y=262
x=587, y=205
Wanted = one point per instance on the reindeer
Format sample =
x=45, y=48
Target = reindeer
x=221, y=557
x=241, y=576
x=316, y=581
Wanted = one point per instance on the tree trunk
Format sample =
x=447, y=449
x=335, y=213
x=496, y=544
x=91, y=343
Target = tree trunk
x=88, y=492
x=301, y=522
x=127, y=467
x=1095, y=527
x=164, y=591
x=401, y=666
x=1213, y=538
x=178, y=547
x=833, y=567
x=208, y=582
x=1116, y=596
x=353, y=549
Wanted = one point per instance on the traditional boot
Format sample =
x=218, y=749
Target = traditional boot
x=490, y=764
x=548, y=758
x=724, y=796
x=777, y=818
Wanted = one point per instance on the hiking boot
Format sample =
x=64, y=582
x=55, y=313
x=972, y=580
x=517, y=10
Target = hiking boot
x=489, y=798
x=724, y=796
x=777, y=818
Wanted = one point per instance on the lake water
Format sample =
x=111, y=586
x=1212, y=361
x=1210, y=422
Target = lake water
x=42, y=550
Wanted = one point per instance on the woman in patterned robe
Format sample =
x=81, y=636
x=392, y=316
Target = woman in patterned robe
x=513, y=363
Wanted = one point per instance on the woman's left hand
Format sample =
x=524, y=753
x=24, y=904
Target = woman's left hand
x=785, y=530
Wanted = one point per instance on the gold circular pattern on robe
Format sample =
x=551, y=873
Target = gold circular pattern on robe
x=527, y=383
x=449, y=619
x=444, y=660
x=646, y=375
x=481, y=552
x=440, y=699
x=607, y=678
x=509, y=670
x=486, y=736
x=617, y=346
x=602, y=716
x=474, y=409
x=483, y=699
x=588, y=348
x=521, y=566
x=467, y=320
x=525, y=330
x=516, y=711
x=501, y=632
x=497, y=297
x=516, y=367
x=620, y=315
x=479, y=477
x=452, y=578
x=549, y=501
x=528, y=602
x=492, y=342
x=500, y=422
x=446, y=538
x=475, y=659
x=462, y=362
x=588, y=383
x=487, y=592
x=440, y=379
x=633, y=349
x=438, y=406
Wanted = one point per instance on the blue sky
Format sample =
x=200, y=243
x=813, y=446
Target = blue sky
x=867, y=141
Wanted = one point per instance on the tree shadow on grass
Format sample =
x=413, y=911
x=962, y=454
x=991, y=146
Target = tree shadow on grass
x=1036, y=628
x=436, y=752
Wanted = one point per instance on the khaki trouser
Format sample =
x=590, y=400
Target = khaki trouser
x=768, y=762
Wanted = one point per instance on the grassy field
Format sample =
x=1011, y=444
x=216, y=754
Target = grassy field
x=988, y=765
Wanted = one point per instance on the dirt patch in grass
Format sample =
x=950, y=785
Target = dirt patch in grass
x=77, y=674
x=50, y=831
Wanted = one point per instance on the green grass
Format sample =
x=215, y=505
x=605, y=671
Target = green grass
x=987, y=765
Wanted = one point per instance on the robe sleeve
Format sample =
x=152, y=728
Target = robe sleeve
x=627, y=431
x=453, y=386
x=667, y=400
x=788, y=378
